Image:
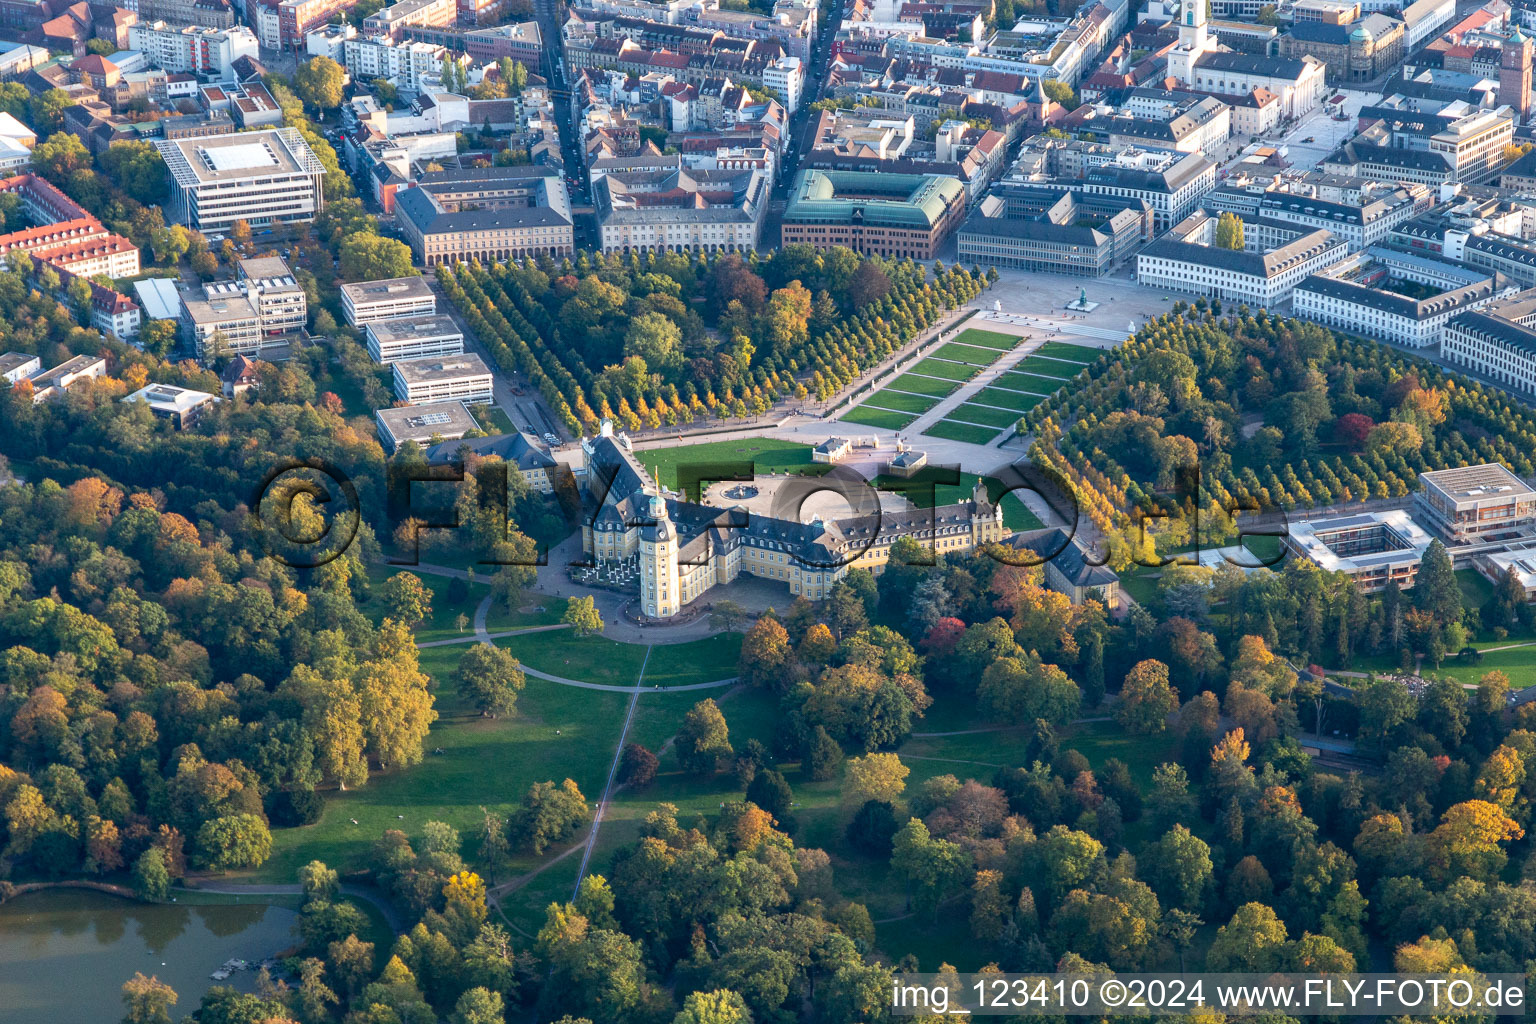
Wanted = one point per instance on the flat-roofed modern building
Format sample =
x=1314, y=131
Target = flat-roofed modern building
x=182, y=406
x=15, y=366
x=1475, y=504
x=262, y=310
x=413, y=337
x=263, y=177
x=895, y=215
x=365, y=302
x=424, y=424
x=1522, y=561
x=1368, y=547
x=460, y=378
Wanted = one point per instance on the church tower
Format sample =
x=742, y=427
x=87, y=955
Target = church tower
x=1195, y=41
x=1515, y=74
x=660, y=592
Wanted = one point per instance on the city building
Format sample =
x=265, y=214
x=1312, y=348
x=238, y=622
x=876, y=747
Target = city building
x=1515, y=74
x=1273, y=260
x=650, y=204
x=1198, y=62
x=207, y=13
x=1391, y=296
x=285, y=24
x=391, y=22
x=1368, y=547
x=833, y=449
x=487, y=213
x=15, y=366
x=364, y=302
x=1426, y=149
x=1497, y=342
x=1053, y=231
x=1496, y=565
x=1353, y=48
x=261, y=177
x=896, y=215
x=1170, y=182
x=1475, y=504
x=193, y=49
x=1361, y=212
x=56, y=380
x=181, y=406
x=427, y=424
x=413, y=337
x=867, y=139
x=456, y=378
x=676, y=551
x=259, y=314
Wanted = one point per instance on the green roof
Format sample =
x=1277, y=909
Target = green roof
x=899, y=200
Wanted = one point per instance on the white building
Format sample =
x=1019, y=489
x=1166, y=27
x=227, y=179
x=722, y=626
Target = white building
x=1498, y=342
x=1170, y=182
x=182, y=406
x=193, y=49
x=413, y=337
x=1357, y=296
x=15, y=366
x=330, y=41
x=1368, y=547
x=1262, y=274
x=424, y=424
x=263, y=177
x=261, y=310
x=404, y=63
x=461, y=378
x=1362, y=213
x=786, y=76
x=1199, y=62
x=364, y=302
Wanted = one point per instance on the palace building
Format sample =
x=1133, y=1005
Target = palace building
x=680, y=549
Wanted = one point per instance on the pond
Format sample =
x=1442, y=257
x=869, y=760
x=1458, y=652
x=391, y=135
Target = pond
x=65, y=953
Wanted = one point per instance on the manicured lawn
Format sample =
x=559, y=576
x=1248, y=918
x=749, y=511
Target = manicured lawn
x=1016, y=515
x=988, y=339
x=1003, y=399
x=1476, y=591
x=1047, y=367
x=901, y=401
x=1064, y=350
x=1031, y=382
x=1100, y=741
x=765, y=453
x=698, y=661
x=954, y=430
x=970, y=412
x=966, y=353
x=946, y=369
x=592, y=659
x=919, y=385
x=877, y=417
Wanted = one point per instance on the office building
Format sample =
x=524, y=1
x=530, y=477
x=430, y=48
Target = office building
x=181, y=406
x=425, y=424
x=458, y=378
x=641, y=205
x=262, y=177
x=1475, y=504
x=1053, y=231
x=1390, y=296
x=364, y=302
x=488, y=213
x=1370, y=548
x=1274, y=259
x=413, y=337
x=894, y=215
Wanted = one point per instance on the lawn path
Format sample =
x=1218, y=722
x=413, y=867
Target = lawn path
x=613, y=773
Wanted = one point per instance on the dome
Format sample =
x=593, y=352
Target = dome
x=1360, y=35
x=1518, y=38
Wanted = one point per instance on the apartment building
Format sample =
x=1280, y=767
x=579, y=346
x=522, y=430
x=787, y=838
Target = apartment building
x=457, y=378
x=262, y=177
x=486, y=213
x=193, y=49
x=413, y=337
x=365, y=302
x=405, y=63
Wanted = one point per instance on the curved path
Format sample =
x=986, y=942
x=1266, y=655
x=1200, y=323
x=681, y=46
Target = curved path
x=482, y=635
x=366, y=893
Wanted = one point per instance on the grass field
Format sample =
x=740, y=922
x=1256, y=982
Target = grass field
x=954, y=430
x=1064, y=350
x=872, y=417
x=698, y=661
x=440, y=625
x=988, y=339
x=1003, y=399
x=918, y=385
x=946, y=369
x=966, y=353
x=970, y=412
x=765, y=453
x=1047, y=367
x=900, y=401
x=492, y=419
x=1030, y=382
x=594, y=659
